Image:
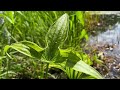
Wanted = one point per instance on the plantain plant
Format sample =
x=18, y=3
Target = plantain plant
x=70, y=61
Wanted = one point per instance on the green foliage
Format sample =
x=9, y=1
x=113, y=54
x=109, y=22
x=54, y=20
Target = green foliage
x=74, y=65
x=56, y=35
x=19, y=47
x=33, y=45
x=44, y=39
x=83, y=67
x=80, y=16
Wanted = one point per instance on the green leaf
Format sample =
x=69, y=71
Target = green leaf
x=32, y=45
x=97, y=60
x=79, y=15
x=83, y=33
x=58, y=65
x=71, y=24
x=9, y=72
x=56, y=36
x=88, y=77
x=78, y=65
x=9, y=15
x=59, y=58
x=72, y=74
x=1, y=57
x=85, y=68
x=72, y=59
x=86, y=37
x=21, y=14
x=64, y=52
x=8, y=19
x=2, y=15
x=36, y=54
x=21, y=48
x=6, y=49
x=27, y=48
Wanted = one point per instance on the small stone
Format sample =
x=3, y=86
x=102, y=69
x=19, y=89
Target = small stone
x=113, y=62
x=118, y=70
x=117, y=67
x=111, y=49
x=112, y=77
x=113, y=67
x=107, y=48
x=109, y=66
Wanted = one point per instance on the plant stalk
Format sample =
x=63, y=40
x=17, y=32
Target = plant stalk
x=46, y=76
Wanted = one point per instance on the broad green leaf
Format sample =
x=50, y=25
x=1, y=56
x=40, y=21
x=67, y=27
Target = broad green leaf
x=78, y=65
x=36, y=54
x=33, y=45
x=72, y=59
x=60, y=59
x=21, y=48
x=85, y=68
x=56, y=36
x=35, y=50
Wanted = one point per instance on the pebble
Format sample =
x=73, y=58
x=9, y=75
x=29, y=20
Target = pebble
x=107, y=48
x=112, y=77
x=109, y=66
x=111, y=49
x=111, y=74
x=117, y=67
x=118, y=70
x=113, y=62
x=113, y=67
x=117, y=77
x=107, y=74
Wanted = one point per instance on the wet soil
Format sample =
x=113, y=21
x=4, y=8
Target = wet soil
x=106, y=43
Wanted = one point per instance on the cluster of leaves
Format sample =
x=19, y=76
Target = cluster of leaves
x=44, y=39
